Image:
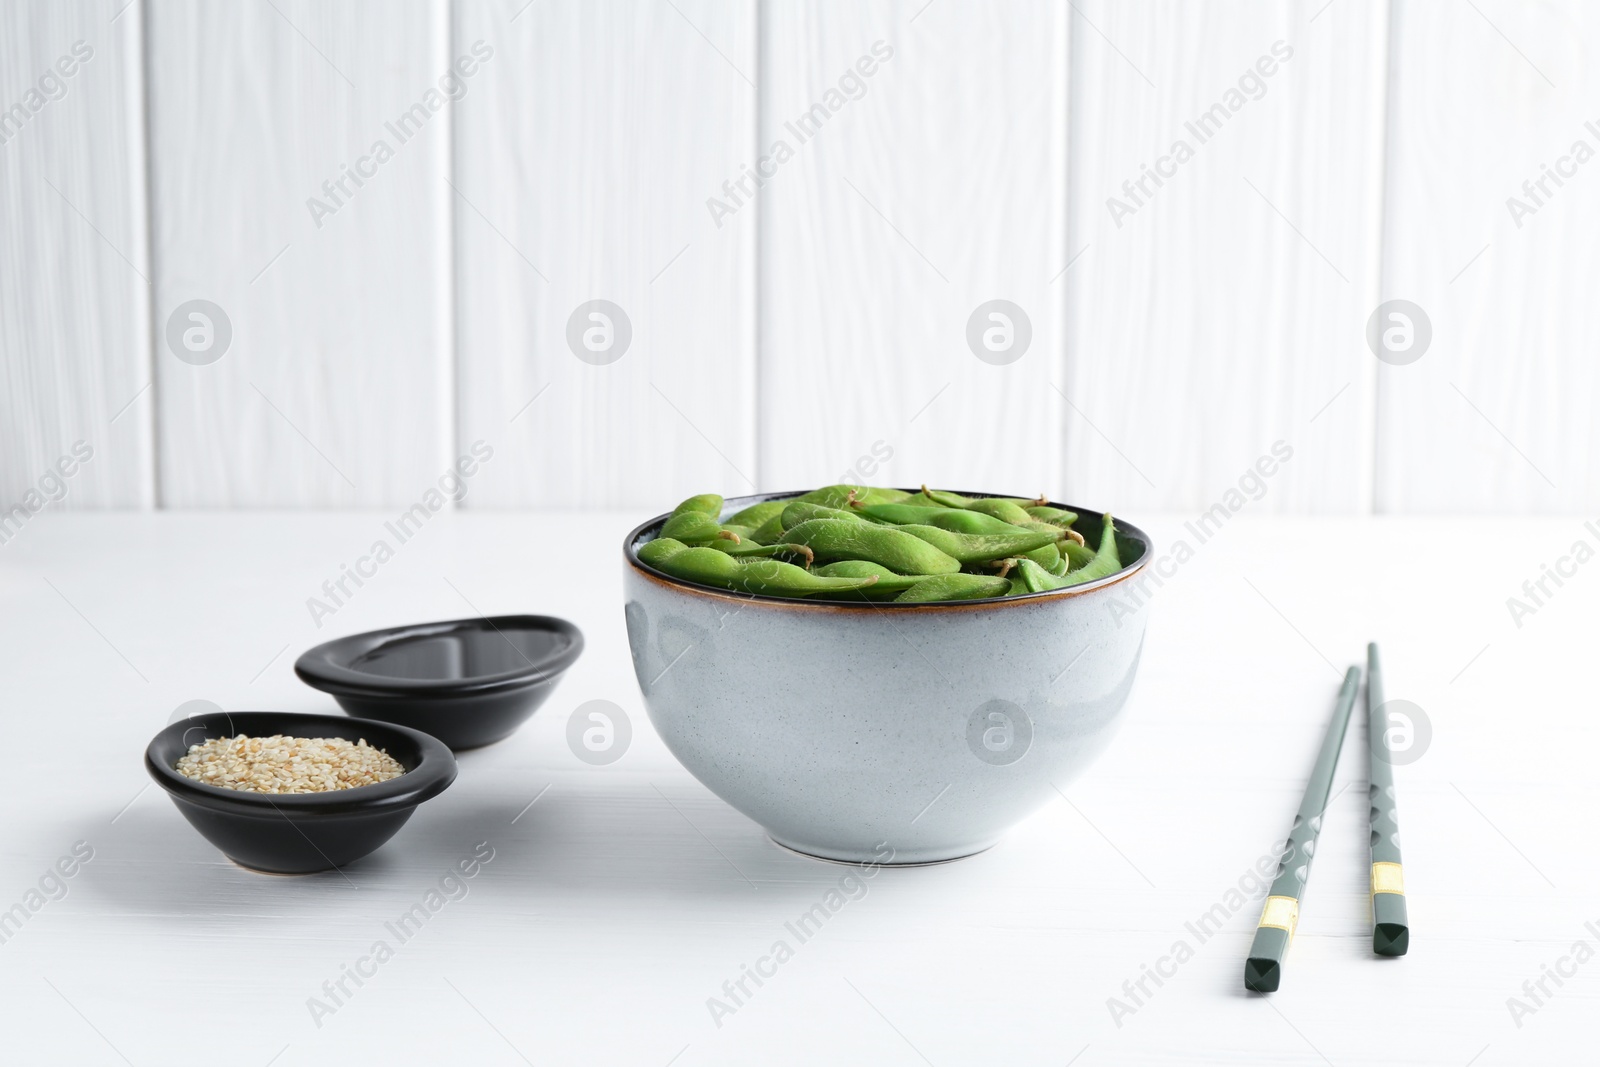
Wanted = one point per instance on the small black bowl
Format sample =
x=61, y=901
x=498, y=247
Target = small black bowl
x=468, y=682
x=299, y=833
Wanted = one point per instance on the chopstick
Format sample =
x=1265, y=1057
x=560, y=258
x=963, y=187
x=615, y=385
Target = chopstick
x=1281, y=913
x=1391, y=933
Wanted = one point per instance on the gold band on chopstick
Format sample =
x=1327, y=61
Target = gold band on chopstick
x=1388, y=878
x=1280, y=912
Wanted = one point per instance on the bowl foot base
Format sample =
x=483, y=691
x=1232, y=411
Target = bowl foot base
x=864, y=859
x=277, y=874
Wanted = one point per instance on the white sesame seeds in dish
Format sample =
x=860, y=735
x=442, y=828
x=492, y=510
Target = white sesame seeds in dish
x=282, y=764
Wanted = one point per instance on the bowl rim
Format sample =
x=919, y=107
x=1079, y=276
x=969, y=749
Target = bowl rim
x=636, y=537
x=323, y=666
x=435, y=767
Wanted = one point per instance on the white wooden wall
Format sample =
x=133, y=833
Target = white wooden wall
x=821, y=327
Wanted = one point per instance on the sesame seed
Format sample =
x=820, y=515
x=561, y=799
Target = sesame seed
x=283, y=764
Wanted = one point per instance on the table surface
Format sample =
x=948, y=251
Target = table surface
x=621, y=898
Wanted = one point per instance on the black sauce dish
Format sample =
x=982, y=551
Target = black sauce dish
x=300, y=833
x=468, y=682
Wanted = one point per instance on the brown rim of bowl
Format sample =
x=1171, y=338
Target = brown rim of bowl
x=630, y=548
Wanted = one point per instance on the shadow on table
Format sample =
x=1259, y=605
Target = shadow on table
x=661, y=844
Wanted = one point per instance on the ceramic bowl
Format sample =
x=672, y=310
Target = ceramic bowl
x=468, y=682
x=886, y=733
x=299, y=833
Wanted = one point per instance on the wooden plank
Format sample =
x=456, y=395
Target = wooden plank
x=583, y=167
x=74, y=262
x=1221, y=311
x=1498, y=415
x=913, y=196
x=335, y=388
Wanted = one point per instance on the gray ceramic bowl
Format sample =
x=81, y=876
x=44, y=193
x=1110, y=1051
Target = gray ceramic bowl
x=890, y=733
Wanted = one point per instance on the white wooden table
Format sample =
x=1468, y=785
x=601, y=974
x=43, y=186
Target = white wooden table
x=621, y=901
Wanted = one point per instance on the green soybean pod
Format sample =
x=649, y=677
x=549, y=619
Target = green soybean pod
x=710, y=567
x=753, y=548
x=841, y=496
x=888, y=586
x=888, y=580
x=1076, y=555
x=1047, y=556
x=953, y=519
x=756, y=514
x=890, y=546
x=703, y=504
x=873, y=495
x=771, y=529
x=1054, y=516
x=800, y=511
x=1005, y=510
x=691, y=526
x=1106, y=562
x=1044, y=527
x=954, y=587
x=1035, y=579
x=833, y=496
x=979, y=548
x=1106, y=546
x=945, y=499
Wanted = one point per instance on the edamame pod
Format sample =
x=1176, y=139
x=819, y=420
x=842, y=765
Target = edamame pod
x=993, y=505
x=756, y=514
x=1107, y=561
x=770, y=530
x=800, y=511
x=1077, y=555
x=839, y=496
x=1055, y=516
x=691, y=527
x=954, y=519
x=945, y=499
x=890, y=546
x=977, y=548
x=1045, y=527
x=1047, y=557
x=872, y=495
x=954, y=587
x=888, y=580
x=1035, y=578
x=1005, y=510
x=888, y=586
x=711, y=567
x=752, y=548
x=703, y=504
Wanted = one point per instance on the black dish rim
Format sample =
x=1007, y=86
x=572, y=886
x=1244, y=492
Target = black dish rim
x=434, y=770
x=636, y=537
x=323, y=666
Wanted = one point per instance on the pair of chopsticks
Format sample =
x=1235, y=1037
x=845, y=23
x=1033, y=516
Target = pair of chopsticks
x=1391, y=935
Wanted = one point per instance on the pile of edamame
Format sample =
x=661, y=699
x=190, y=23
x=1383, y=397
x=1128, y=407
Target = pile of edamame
x=853, y=542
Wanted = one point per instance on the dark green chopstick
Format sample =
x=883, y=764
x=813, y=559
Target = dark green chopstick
x=1281, y=913
x=1391, y=932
